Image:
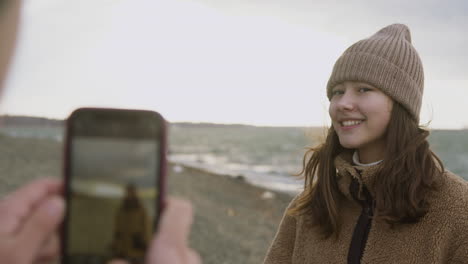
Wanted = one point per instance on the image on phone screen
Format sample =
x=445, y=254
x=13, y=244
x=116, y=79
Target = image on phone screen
x=111, y=198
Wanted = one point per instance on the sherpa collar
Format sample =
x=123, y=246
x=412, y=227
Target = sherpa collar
x=346, y=171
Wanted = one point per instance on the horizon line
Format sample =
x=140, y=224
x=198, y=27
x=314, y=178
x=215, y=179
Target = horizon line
x=224, y=124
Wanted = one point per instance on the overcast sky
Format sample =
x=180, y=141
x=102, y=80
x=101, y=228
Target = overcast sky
x=261, y=62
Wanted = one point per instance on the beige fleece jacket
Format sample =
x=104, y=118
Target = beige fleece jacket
x=440, y=237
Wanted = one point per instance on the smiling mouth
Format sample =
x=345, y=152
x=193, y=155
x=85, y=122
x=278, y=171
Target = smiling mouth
x=351, y=123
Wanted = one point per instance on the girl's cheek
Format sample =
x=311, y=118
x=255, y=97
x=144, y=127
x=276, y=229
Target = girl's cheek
x=331, y=110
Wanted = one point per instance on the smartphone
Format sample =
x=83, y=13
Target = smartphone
x=114, y=176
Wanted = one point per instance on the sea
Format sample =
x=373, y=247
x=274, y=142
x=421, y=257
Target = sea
x=270, y=157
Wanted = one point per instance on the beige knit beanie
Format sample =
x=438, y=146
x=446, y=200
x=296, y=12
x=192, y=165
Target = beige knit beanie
x=388, y=61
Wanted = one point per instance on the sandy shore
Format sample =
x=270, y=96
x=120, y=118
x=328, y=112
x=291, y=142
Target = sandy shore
x=233, y=224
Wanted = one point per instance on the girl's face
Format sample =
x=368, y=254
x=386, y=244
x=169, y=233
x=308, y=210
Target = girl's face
x=360, y=115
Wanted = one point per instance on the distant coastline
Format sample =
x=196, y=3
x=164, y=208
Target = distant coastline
x=262, y=156
x=23, y=120
x=14, y=120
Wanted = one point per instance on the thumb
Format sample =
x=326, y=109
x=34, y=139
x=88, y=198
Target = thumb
x=42, y=224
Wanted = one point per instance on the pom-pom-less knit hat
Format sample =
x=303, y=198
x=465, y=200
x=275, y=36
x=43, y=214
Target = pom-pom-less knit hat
x=388, y=61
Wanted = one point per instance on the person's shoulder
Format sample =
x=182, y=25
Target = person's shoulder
x=293, y=205
x=299, y=209
x=454, y=203
x=452, y=195
x=293, y=201
x=455, y=186
x=300, y=197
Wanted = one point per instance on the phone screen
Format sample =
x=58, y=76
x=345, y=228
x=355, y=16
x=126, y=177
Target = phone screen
x=112, y=193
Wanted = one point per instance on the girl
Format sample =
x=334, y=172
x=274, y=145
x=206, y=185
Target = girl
x=374, y=192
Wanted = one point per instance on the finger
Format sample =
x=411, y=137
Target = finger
x=50, y=249
x=17, y=206
x=117, y=261
x=176, y=221
x=47, y=185
x=193, y=257
x=165, y=253
x=43, y=223
x=170, y=243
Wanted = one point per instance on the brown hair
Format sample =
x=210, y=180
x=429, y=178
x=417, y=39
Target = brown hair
x=409, y=170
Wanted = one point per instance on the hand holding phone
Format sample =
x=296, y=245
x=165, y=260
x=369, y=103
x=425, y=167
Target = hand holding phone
x=114, y=184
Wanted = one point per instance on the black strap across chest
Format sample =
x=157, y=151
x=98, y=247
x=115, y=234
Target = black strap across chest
x=364, y=223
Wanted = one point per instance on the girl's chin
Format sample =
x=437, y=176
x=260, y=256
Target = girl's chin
x=350, y=145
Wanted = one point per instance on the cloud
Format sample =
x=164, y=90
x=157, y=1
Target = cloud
x=259, y=62
x=438, y=27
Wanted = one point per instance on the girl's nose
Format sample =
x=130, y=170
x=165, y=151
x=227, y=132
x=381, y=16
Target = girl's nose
x=346, y=102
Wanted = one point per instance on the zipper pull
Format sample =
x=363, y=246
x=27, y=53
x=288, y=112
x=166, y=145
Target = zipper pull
x=369, y=211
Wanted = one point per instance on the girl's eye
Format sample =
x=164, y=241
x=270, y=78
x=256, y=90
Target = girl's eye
x=364, y=89
x=336, y=92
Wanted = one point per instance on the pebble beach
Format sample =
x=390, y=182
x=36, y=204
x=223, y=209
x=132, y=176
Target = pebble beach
x=234, y=222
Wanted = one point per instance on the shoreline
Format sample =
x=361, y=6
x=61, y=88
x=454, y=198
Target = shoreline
x=234, y=221
x=290, y=187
